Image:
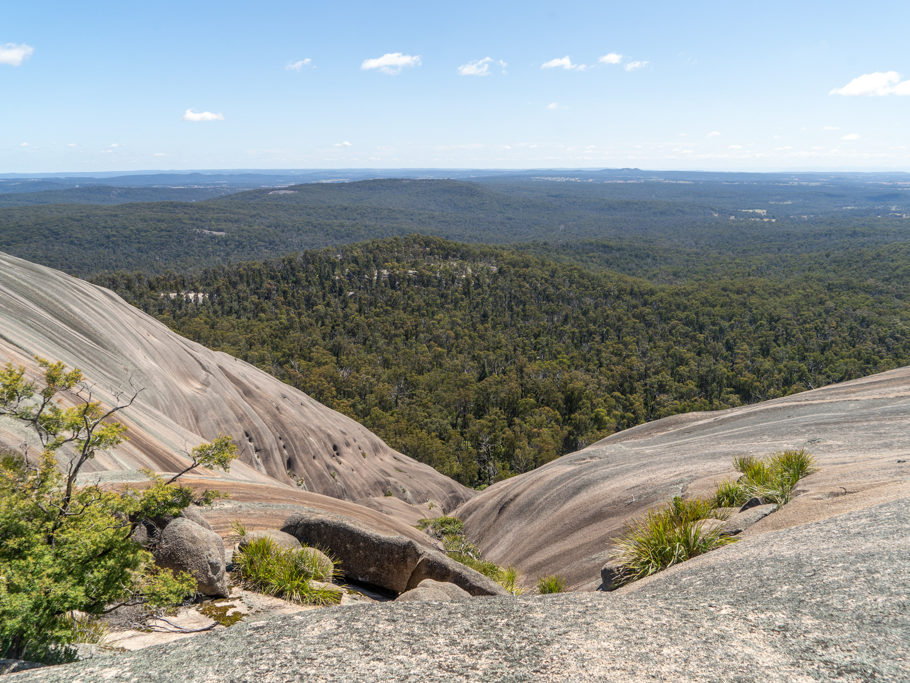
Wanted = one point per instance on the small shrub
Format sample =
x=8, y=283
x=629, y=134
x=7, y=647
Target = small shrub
x=450, y=530
x=440, y=527
x=551, y=584
x=772, y=479
x=659, y=541
x=793, y=464
x=683, y=511
x=729, y=494
x=265, y=567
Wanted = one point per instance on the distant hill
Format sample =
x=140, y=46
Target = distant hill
x=712, y=217
x=107, y=195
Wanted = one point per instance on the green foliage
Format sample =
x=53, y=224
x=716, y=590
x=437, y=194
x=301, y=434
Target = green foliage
x=729, y=494
x=681, y=511
x=551, y=584
x=661, y=539
x=63, y=547
x=163, y=588
x=265, y=567
x=772, y=479
x=450, y=530
x=440, y=527
x=219, y=612
x=487, y=362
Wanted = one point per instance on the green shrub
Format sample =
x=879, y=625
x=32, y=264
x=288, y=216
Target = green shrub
x=450, y=530
x=772, y=479
x=265, y=567
x=551, y=584
x=729, y=494
x=661, y=539
x=65, y=548
x=440, y=527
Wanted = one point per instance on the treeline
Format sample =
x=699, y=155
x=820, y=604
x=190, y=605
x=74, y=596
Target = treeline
x=485, y=362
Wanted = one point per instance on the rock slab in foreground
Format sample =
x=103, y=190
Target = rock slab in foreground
x=742, y=520
x=395, y=563
x=826, y=601
x=186, y=546
x=438, y=591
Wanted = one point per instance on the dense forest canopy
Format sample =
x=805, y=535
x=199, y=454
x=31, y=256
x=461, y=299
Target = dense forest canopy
x=488, y=361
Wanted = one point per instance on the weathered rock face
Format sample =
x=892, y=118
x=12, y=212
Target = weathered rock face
x=824, y=601
x=741, y=521
x=561, y=518
x=191, y=394
x=395, y=563
x=439, y=591
x=186, y=546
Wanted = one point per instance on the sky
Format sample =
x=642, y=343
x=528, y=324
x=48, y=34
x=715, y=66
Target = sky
x=696, y=85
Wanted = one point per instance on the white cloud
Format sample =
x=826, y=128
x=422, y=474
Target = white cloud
x=713, y=134
x=299, y=64
x=610, y=58
x=343, y=143
x=563, y=63
x=635, y=66
x=481, y=67
x=14, y=54
x=851, y=136
x=23, y=144
x=831, y=128
x=735, y=147
x=190, y=115
x=71, y=144
x=878, y=83
x=159, y=154
x=553, y=105
x=391, y=62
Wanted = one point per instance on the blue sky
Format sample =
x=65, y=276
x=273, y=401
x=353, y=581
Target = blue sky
x=661, y=85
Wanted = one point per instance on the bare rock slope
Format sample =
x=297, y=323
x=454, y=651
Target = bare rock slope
x=824, y=601
x=561, y=517
x=191, y=394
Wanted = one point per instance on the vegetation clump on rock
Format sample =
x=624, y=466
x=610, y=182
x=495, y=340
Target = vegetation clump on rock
x=290, y=573
x=684, y=529
x=64, y=547
x=450, y=530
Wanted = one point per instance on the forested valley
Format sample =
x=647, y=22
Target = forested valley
x=488, y=361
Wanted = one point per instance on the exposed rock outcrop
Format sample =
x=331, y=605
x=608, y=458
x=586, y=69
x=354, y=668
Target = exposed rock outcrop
x=395, y=563
x=186, y=546
x=562, y=517
x=191, y=394
x=438, y=591
x=825, y=601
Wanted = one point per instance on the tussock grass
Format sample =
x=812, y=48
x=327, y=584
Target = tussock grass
x=551, y=584
x=664, y=538
x=265, y=567
x=773, y=479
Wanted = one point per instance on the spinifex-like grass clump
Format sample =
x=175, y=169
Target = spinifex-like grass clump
x=551, y=584
x=450, y=530
x=266, y=567
x=666, y=537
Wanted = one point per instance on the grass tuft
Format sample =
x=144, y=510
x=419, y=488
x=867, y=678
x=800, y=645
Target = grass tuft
x=264, y=566
x=661, y=540
x=551, y=584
